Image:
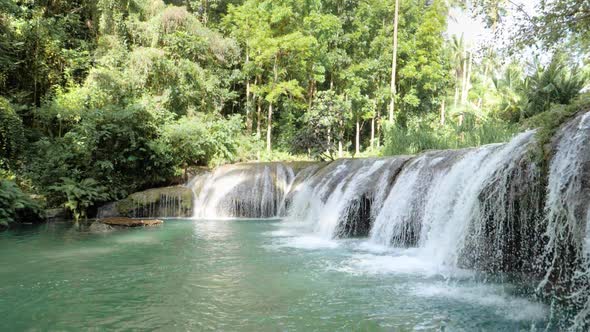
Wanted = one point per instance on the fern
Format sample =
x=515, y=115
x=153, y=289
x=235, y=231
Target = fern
x=80, y=195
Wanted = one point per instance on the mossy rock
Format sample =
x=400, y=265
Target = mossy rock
x=176, y=201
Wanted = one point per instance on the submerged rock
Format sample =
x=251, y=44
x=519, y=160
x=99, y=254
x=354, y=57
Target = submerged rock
x=127, y=222
x=99, y=227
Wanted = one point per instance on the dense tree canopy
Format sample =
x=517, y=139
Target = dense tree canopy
x=102, y=98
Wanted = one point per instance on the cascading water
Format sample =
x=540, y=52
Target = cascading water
x=454, y=208
x=399, y=222
x=456, y=205
x=343, y=197
x=242, y=190
x=491, y=208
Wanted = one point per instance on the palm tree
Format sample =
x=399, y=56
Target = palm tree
x=553, y=83
x=457, y=56
x=511, y=87
x=462, y=60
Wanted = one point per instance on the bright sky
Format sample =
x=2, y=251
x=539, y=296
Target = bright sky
x=474, y=31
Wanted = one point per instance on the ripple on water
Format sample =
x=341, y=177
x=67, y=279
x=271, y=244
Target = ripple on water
x=137, y=238
x=237, y=276
x=80, y=252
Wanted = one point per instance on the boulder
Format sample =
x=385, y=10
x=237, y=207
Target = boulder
x=99, y=227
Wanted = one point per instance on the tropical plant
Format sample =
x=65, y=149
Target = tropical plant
x=553, y=83
x=79, y=195
x=14, y=203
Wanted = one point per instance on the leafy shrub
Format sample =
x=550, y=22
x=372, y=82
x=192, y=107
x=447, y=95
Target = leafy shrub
x=549, y=121
x=12, y=139
x=80, y=195
x=14, y=203
x=199, y=141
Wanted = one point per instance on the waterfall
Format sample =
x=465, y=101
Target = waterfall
x=456, y=217
x=568, y=193
x=242, y=190
x=342, y=198
x=399, y=222
x=498, y=208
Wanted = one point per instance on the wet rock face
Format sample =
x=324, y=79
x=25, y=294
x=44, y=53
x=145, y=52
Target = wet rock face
x=567, y=210
x=167, y=202
x=509, y=236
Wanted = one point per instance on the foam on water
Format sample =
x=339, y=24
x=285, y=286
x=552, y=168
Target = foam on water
x=493, y=297
x=403, y=262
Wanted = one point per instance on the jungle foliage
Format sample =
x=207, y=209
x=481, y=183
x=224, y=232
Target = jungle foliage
x=99, y=99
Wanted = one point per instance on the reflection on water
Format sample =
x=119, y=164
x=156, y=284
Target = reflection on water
x=236, y=275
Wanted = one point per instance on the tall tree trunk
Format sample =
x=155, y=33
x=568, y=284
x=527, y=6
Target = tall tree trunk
x=466, y=86
x=357, y=141
x=248, y=106
x=205, y=10
x=269, y=128
x=464, y=77
x=258, y=124
x=468, y=80
x=330, y=111
x=378, y=130
x=442, y=112
x=275, y=71
x=258, y=117
x=329, y=140
x=340, y=137
x=394, y=61
x=463, y=90
x=456, y=98
x=311, y=94
x=372, y=133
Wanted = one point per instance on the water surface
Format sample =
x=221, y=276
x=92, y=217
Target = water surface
x=236, y=275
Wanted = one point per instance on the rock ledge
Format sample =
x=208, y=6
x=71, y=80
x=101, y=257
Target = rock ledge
x=129, y=222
